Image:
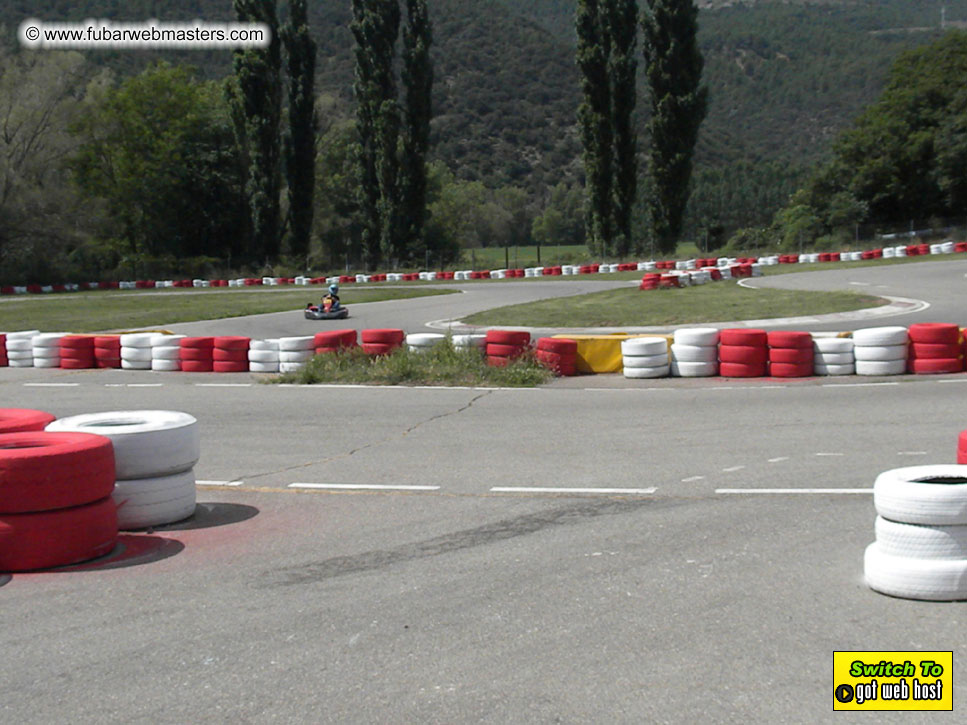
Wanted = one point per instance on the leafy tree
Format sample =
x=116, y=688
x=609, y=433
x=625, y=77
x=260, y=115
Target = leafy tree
x=673, y=68
x=622, y=21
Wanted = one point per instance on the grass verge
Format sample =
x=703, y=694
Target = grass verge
x=102, y=311
x=720, y=302
x=443, y=364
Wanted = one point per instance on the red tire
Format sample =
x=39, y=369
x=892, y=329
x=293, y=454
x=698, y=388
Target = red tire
x=790, y=370
x=746, y=338
x=745, y=354
x=508, y=337
x=558, y=345
x=229, y=355
x=563, y=365
x=231, y=343
x=70, y=345
x=935, y=332
x=498, y=350
x=936, y=366
x=78, y=363
x=201, y=343
x=226, y=366
x=108, y=363
x=107, y=342
x=22, y=420
x=498, y=362
x=384, y=337
x=934, y=351
x=791, y=356
x=335, y=338
x=197, y=366
x=378, y=348
x=742, y=370
x=329, y=350
x=43, y=471
x=28, y=542
x=962, y=447
x=796, y=340
x=200, y=354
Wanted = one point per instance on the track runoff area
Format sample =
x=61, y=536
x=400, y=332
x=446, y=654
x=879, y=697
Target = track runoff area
x=657, y=552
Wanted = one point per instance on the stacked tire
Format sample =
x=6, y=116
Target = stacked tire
x=833, y=356
x=46, y=349
x=295, y=353
x=77, y=352
x=470, y=342
x=4, y=361
x=166, y=352
x=695, y=353
x=263, y=356
x=230, y=354
x=920, y=550
x=195, y=354
x=154, y=454
x=559, y=355
x=136, y=351
x=20, y=348
x=420, y=342
x=880, y=350
x=382, y=342
x=790, y=354
x=743, y=353
x=645, y=358
x=505, y=346
x=334, y=341
x=935, y=348
x=23, y=420
x=55, y=499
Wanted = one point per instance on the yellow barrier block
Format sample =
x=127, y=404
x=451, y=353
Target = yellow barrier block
x=598, y=354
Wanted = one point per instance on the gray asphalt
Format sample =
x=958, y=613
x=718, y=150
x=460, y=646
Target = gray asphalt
x=461, y=604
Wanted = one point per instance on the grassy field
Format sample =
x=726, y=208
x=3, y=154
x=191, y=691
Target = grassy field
x=104, y=311
x=720, y=302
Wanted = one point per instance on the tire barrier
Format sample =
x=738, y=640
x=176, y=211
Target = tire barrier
x=295, y=352
x=880, y=350
x=743, y=353
x=334, y=341
x=136, y=351
x=55, y=499
x=23, y=420
x=77, y=352
x=155, y=452
x=935, y=348
x=4, y=361
x=833, y=356
x=195, y=354
x=558, y=355
x=920, y=550
x=504, y=346
x=230, y=354
x=19, y=347
x=381, y=342
x=645, y=358
x=962, y=448
x=423, y=341
x=263, y=356
x=470, y=341
x=166, y=352
x=46, y=349
x=790, y=354
x=107, y=351
x=694, y=353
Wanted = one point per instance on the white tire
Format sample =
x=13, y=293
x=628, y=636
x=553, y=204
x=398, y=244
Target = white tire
x=137, y=339
x=136, y=354
x=703, y=336
x=424, y=339
x=469, y=340
x=46, y=362
x=155, y=501
x=20, y=354
x=263, y=367
x=147, y=443
x=834, y=358
x=47, y=339
x=880, y=352
x=644, y=373
x=694, y=353
x=22, y=344
x=265, y=356
x=162, y=340
x=296, y=356
x=921, y=542
x=644, y=361
x=935, y=495
x=824, y=369
x=135, y=364
x=264, y=345
x=286, y=367
x=291, y=344
x=26, y=363
x=911, y=578
x=833, y=344
x=881, y=367
x=694, y=369
x=644, y=346
x=22, y=335
x=166, y=366
x=46, y=352
x=168, y=352
x=881, y=336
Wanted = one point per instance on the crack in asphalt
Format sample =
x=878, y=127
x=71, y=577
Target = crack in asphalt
x=490, y=533
x=372, y=444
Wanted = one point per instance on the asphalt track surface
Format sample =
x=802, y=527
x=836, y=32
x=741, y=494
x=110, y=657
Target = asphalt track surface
x=685, y=595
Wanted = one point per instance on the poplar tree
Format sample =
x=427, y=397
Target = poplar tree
x=673, y=66
x=622, y=73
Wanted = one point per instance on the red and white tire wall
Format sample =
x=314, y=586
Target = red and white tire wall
x=694, y=353
x=645, y=358
x=505, y=346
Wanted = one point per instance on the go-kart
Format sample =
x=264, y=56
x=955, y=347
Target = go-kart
x=314, y=312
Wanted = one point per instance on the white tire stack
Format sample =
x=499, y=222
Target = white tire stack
x=295, y=352
x=46, y=349
x=155, y=452
x=880, y=350
x=645, y=357
x=263, y=356
x=136, y=351
x=423, y=341
x=20, y=348
x=833, y=356
x=695, y=353
x=920, y=550
x=165, y=353
x=469, y=342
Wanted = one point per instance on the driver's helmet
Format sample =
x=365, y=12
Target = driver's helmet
x=334, y=289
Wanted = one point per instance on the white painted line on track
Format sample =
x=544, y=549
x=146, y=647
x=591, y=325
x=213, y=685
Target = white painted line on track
x=359, y=487
x=780, y=459
x=219, y=483
x=783, y=491
x=862, y=284
x=829, y=455
x=693, y=478
x=51, y=385
x=223, y=385
x=911, y=453
x=529, y=489
x=732, y=469
x=856, y=385
x=145, y=385
x=958, y=380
